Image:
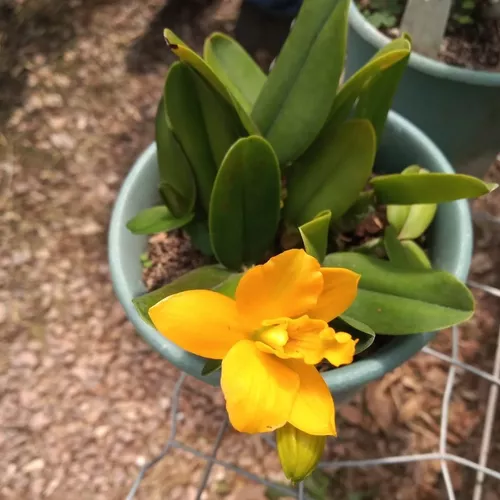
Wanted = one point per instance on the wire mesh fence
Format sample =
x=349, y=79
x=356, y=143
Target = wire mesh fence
x=442, y=454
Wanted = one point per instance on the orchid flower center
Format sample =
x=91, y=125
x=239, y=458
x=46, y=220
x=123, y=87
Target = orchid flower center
x=300, y=338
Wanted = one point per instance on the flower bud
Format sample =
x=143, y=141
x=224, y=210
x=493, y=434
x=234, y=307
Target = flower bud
x=299, y=452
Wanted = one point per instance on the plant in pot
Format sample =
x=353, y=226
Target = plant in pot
x=451, y=89
x=318, y=254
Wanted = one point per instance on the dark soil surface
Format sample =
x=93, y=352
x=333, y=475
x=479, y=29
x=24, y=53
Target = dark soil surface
x=473, y=43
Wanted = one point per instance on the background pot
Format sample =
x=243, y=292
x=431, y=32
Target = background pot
x=458, y=108
x=402, y=145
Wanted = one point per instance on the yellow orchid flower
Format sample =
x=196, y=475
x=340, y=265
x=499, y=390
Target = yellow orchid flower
x=269, y=338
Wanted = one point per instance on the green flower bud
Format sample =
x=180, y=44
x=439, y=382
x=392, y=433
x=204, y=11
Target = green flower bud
x=299, y=452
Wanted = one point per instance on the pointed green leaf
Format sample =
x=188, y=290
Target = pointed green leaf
x=358, y=325
x=177, y=183
x=197, y=231
x=315, y=235
x=407, y=189
x=211, y=366
x=378, y=93
x=203, y=278
x=370, y=247
x=384, y=59
x=395, y=301
x=245, y=206
x=185, y=112
x=222, y=125
x=364, y=334
x=184, y=53
x=332, y=173
x=296, y=99
x=229, y=286
x=235, y=68
x=204, y=123
x=404, y=256
x=418, y=253
x=156, y=220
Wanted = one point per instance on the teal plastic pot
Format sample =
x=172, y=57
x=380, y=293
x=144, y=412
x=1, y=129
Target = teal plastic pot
x=402, y=145
x=459, y=109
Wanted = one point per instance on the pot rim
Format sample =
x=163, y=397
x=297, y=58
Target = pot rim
x=341, y=380
x=420, y=62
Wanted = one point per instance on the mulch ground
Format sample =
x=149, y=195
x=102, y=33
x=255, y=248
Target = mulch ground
x=83, y=401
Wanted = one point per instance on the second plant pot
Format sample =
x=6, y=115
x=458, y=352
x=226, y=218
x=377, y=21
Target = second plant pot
x=403, y=144
x=458, y=108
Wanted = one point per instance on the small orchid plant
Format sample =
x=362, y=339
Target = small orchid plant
x=267, y=174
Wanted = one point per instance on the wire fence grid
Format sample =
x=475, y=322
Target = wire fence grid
x=442, y=454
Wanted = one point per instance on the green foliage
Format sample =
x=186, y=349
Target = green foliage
x=245, y=204
x=463, y=12
x=156, y=220
x=250, y=165
x=177, y=184
x=296, y=99
x=392, y=54
x=314, y=234
x=410, y=221
x=396, y=301
x=232, y=64
x=332, y=173
x=204, y=123
x=203, y=278
x=363, y=333
x=384, y=13
x=375, y=101
x=404, y=254
x=211, y=366
x=408, y=189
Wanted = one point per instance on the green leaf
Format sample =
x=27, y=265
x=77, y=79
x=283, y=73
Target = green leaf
x=332, y=173
x=382, y=20
x=317, y=485
x=197, y=231
x=228, y=287
x=418, y=253
x=204, y=123
x=211, y=366
x=376, y=98
x=245, y=205
x=235, y=68
x=363, y=333
x=315, y=235
x=395, y=301
x=404, y=256
x=181, y=50
x=156, y=220
x=296, y=99
x=185, y=112
x=369, y=247
x=384, y=59
x=222, y=125
x=411, y=221
x=407, y=189
x=177, y=184
x=358, y=325
x=203, y=278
